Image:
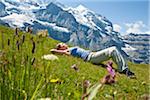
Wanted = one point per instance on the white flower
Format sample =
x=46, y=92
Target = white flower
x=50, y=57
x=44, y=99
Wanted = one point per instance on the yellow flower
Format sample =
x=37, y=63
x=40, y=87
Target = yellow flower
x=54, y=80
x=69, y=94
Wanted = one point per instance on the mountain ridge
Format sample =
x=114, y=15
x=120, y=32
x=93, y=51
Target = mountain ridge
x=86, y=29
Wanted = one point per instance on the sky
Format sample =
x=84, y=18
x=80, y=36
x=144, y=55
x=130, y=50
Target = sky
x=126, y=15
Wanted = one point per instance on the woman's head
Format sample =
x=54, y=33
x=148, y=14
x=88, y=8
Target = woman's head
x=61, y=46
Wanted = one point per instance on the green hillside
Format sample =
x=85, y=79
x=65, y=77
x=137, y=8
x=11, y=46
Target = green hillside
x=24, y=75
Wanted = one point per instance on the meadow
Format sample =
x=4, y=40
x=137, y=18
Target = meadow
x=24, y=75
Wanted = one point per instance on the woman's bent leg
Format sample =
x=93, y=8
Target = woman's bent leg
x=106, y=54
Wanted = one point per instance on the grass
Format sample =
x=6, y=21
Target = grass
x=24, y=75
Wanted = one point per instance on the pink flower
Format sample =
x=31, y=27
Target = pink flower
x=110, y=69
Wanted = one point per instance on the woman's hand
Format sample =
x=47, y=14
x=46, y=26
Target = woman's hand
x=53, y=50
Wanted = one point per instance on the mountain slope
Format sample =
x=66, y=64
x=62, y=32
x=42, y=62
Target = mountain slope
x=78, y=21
x=2, y=10
x=25, y=75
x=141, y=43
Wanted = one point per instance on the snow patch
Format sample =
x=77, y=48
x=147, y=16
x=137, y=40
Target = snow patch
x=81, y=15
x=81, y=8
x=128, y=48
x=54, y=26
x=17, y=19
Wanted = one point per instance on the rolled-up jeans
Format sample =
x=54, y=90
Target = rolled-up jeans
x=106, y=54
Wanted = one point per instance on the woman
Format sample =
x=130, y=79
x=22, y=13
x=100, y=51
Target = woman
x=95, y=57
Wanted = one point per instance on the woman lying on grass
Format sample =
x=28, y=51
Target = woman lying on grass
x=95, y=57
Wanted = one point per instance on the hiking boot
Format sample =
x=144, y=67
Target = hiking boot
x=129, y=73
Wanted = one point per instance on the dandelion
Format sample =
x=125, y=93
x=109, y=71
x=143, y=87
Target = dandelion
x=55, y=80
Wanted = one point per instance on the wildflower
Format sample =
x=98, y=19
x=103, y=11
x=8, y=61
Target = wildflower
x=75, y=67
x=86, y=83
x=115, y=92
x=108, y=79
x=50, y=57
x=23, y=38
x=32, y=61
x=8, y=42
x=18, y=44
x=55, y=80
x=110, y=69
x=16, y=32
x=44, y=99
x=33, y=47
x=69, y=94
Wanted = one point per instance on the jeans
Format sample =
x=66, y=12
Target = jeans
x=106, y=54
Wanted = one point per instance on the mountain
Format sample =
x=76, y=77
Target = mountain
x=76, y=26
x=86, y=29
x=2, y=10
x=141, y=43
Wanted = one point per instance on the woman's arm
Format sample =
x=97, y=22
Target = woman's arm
x=60, y=51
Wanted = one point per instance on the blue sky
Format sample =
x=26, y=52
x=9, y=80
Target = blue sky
x=126, y=15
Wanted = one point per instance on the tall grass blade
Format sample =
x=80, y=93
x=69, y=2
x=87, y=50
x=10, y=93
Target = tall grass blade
x=93, y=91
x=36, y=90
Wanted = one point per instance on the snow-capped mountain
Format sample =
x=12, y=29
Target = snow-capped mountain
x=141, y=43
x=78, y=26
x=2, y=10
x=91, y=19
